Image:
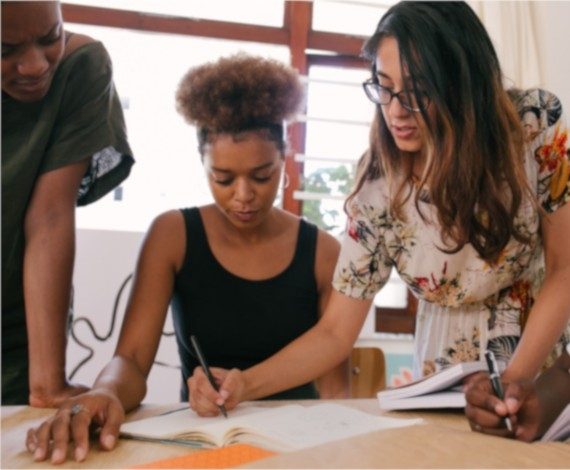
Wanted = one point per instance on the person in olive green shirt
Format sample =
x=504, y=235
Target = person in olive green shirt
x=63, y=144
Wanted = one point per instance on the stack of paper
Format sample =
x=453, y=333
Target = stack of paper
x=439, y=390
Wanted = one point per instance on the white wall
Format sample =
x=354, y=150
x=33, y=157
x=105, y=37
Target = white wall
x=552, y=26
x=104, y=259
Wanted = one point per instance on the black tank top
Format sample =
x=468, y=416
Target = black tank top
x=239, y=322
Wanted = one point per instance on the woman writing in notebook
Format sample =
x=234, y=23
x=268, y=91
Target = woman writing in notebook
x=469, y=209
x=244, y=276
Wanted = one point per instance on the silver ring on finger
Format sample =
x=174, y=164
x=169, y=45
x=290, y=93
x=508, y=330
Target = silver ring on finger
x=76, y=409
x=477, y=427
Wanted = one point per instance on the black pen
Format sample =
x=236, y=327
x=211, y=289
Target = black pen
x=206, y=369
x=495, y=378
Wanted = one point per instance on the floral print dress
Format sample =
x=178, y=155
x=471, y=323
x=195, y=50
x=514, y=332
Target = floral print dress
x=465, y=303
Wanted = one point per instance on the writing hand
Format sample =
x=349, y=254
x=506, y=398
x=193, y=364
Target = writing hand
x=484, y=409
x=486, y=412
x=522, y=401
x=205, y=400
x=72, y=422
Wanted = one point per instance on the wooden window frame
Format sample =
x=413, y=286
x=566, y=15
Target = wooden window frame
x=342, y=50
x=397, y=320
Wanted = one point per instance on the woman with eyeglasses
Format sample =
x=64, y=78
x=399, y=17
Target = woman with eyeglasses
x=453, y=195
x=459, y=196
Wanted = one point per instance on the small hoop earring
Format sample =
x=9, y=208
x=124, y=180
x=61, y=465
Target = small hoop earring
x=286, y=180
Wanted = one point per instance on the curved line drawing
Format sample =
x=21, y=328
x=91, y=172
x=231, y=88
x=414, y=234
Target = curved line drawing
x=102, y=338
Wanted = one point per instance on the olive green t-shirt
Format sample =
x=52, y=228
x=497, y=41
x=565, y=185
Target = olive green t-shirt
x=81, y=116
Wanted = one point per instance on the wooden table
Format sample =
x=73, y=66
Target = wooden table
x=444, y=442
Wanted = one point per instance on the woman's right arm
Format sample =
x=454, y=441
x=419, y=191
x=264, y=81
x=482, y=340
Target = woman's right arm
x=318, y=350
x=121, y=385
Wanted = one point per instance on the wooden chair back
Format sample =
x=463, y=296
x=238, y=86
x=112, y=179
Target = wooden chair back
x=368, y=372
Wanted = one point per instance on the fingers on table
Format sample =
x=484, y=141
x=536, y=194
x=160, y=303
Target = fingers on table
x=56, y=433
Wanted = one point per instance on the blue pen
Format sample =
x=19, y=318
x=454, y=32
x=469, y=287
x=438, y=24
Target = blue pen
x=495, y=378
x=206, y=369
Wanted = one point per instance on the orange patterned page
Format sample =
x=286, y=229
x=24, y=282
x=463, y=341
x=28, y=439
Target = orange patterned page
x=224, y=457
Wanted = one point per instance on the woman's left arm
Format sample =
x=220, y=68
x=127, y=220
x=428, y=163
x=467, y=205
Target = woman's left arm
x=336, y=382
x=551, y=311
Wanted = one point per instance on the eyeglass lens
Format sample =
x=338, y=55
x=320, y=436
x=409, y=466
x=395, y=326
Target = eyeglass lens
x=382, y=95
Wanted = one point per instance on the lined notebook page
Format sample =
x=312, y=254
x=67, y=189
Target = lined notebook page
x=301, y=427
x=181, y=421
x=282, y=428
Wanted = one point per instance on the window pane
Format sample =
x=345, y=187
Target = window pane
x=336, y=141
x=348, y=17
x=328, y=214
x=336, y=93
x=394, y=294
x=260, y=12
x=328, y=178
x=333, y=94
x=168, y=173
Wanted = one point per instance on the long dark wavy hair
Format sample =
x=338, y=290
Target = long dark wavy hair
x=473, y=142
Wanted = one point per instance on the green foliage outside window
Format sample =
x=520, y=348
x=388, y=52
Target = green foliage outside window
x=334, y=180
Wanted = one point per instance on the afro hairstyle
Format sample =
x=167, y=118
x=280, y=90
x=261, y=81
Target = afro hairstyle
x=239, y=93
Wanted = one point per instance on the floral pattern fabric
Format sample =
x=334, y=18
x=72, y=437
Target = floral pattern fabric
x=465, y=303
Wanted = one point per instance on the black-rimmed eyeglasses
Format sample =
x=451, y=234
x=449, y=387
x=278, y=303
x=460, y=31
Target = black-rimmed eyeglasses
x=381, y=95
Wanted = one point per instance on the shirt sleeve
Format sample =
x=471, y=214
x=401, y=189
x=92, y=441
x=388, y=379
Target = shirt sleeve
x=363, y=265
x=90, y=124
x=550, y=148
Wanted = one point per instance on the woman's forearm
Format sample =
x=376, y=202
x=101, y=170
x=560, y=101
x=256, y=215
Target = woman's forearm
x=311, y=355
x=298, y=363
x=336, y=382
x=49, y=230
x=548, y=318
x=48, y=267
x=124, y=379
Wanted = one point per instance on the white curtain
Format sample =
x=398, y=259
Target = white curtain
x=510, y=25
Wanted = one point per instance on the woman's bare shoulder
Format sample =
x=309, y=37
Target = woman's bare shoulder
x=327, y=243
x=166, y=237
x=168, y=222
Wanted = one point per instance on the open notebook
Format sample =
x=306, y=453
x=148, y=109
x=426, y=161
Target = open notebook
x=281, y=428
x=439, y=390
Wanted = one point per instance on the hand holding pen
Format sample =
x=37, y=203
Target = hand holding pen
x=206, y=368
x=495, y=379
